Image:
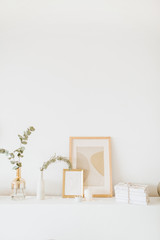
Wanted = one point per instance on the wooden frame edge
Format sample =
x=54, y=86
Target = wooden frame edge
x=110, y=167
x=102, y=195
x=63, y=187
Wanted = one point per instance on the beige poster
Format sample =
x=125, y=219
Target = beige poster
x=91, y=159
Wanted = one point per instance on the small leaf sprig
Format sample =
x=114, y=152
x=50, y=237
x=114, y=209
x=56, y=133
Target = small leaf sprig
x=18, y=153
x=54, y=159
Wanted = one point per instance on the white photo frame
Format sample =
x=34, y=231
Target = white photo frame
x=93, y=155
x=72, y=183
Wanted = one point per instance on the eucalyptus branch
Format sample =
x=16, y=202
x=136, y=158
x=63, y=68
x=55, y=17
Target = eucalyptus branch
x=55, y=158
x=18, y=153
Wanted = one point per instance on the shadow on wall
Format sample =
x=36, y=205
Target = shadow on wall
x=118, y=175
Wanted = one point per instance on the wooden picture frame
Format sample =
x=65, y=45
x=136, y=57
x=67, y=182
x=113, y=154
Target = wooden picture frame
x=93, y=155
x=72, y=183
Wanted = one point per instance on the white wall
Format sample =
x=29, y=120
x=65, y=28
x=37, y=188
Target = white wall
x=81, y=68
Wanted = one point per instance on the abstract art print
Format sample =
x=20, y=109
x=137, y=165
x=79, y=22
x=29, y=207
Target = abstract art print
x=91, y=159
x=93, y=155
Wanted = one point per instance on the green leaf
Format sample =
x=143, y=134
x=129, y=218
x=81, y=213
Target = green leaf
x=28, y=132
x=12, y=155
x=15, y=167
x=25, y=136
x=17, y=150
x=19, y=164
x=2, y=150
x=20, y=137
x=24, y=142
x=12, y=162
x=32, y=128
x=19, y=155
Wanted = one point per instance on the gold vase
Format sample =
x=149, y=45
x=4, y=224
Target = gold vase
x=18, y=186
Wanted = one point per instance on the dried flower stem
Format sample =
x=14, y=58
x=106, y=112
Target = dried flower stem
x=54, y=159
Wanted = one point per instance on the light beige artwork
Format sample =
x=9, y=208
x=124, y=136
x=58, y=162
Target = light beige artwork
x=91, y=159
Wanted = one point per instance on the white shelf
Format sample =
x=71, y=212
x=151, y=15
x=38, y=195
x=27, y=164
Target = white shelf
x=59, y=200
x=56, y=218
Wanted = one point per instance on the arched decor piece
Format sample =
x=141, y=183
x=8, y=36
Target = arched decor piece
x=54, y=159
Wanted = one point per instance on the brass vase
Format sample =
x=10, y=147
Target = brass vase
x=18, y=186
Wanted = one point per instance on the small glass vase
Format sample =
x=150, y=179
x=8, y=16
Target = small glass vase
x=18, y=186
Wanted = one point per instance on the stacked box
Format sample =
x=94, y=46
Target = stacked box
x=121, y=192
x=132, y=193
x=138, y=194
